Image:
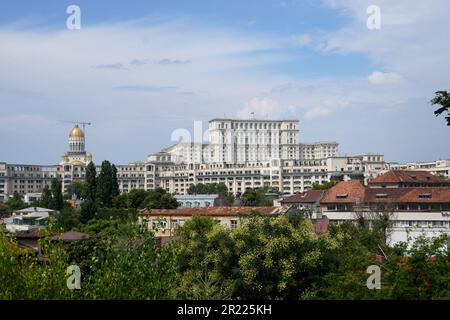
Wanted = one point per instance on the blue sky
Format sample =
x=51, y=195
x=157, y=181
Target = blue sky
x=140, y=69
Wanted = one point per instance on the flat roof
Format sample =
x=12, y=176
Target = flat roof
x=254, y=120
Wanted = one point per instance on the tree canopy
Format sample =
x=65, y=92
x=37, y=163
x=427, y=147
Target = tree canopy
x=442, y=98
x=255, y=198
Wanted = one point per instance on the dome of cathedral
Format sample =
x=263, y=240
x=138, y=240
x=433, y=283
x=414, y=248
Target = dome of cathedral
x=76, y=132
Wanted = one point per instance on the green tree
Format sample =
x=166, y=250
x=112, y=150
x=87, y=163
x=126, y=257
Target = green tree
x=442, y=98
x=88, y=210
x=255, y=197
x=77, y=188
x=67, y=219
x=160, y=199
x=90, y=191
x=105, y=185
x=135, y=198
x=279, y=261
x=101, y=228
x=206, y=259
x=15, y=203
x=324, y=186
x=115, y=183
x=346, y=277
x=120, y=201
x=211, y=188
x=3, y=209
x=419, y=269
x=46, y=198
x=132, y=267
x=56, y=201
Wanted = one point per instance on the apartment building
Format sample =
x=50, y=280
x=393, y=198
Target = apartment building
x=438, y=167
x=412, y=210
x=242, y=154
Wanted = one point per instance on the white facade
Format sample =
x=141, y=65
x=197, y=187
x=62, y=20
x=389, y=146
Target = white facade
x=403, y=224
x=438, y=167
x=242, y=154
x=318, y=150
x=27, y=219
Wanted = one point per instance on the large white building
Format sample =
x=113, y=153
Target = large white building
x=242, y=154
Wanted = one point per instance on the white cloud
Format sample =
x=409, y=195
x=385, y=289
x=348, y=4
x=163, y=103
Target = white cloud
x=411, y=41
x=151, y=75
x=264, y=108
x=78, y=72
x=384, y=78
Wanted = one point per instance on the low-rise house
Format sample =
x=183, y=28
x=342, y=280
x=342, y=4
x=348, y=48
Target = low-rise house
x=164, y=221
x=31, y=197
x=308, y=200
x=200, y=200
x=411, y=211
x=407, y=179
x=343, y=196
x=28, y=219
x=29, y=239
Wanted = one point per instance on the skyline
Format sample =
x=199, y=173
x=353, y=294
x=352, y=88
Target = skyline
x=140, y=71
x=182, y=135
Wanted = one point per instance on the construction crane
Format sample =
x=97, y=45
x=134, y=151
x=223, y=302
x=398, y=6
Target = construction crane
x=84, y=124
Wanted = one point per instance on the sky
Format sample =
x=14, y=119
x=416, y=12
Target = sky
x=138, y=70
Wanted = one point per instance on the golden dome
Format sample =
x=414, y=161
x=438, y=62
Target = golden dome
x=76, y=133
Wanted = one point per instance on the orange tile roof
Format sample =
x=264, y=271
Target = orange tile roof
x=408, y=176
x=353, y=190
x=408, y=195
x=210, y=211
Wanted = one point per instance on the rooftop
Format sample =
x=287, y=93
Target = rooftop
x=345, y=192
x=408, y=176
x=211, y=211
x=34, y=210
x=310, y=196
x=254, y=120
x=408, y=195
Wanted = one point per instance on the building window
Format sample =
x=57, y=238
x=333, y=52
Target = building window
x=438, y=224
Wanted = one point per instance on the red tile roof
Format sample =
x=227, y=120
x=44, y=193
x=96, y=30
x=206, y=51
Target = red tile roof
x=408, y=176
x=345, y=192
x=310, y=196
x=210, y=211
x=408, y=195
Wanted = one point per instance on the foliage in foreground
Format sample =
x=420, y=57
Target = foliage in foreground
x=264, y=258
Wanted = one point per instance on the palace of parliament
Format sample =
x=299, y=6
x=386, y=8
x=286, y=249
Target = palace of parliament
x=242, y=154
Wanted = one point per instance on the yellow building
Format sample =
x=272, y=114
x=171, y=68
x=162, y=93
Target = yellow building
x=164, y=221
